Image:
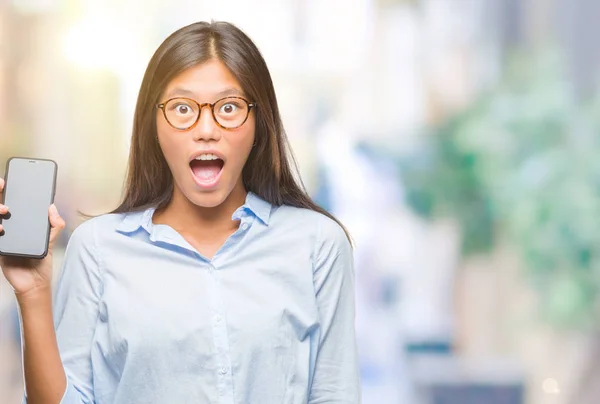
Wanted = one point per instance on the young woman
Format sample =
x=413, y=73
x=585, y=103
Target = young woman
x=217, y=279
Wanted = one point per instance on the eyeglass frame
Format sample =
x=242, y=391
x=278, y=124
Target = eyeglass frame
x=162, y=105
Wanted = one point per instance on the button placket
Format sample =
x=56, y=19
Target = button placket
x=220, y=335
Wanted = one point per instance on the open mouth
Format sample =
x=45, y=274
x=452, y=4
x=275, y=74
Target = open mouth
x=207, y=169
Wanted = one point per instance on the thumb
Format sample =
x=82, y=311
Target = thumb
x=56, y=222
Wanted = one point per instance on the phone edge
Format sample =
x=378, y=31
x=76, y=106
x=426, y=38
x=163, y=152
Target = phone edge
x=54, y=181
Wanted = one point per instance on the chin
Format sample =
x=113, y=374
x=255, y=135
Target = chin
x=210, y=199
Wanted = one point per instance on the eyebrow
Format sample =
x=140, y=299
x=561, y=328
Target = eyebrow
x=183, y=92
x=230, y=91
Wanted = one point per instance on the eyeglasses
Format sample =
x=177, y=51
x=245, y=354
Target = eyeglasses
x=228, y=113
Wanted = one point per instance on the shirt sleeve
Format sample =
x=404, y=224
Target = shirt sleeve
x=75, y=309
x=336, y=374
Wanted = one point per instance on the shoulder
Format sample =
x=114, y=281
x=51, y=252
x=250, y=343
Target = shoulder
x=326, y=232
x=90, y=230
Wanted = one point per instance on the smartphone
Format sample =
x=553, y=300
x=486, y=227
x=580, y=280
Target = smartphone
x=29, y=190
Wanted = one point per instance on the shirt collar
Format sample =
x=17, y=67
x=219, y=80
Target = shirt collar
x=258, y=206
x=134, y=220
x=254, y=204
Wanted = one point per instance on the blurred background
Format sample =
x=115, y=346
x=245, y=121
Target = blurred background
x=457, y=140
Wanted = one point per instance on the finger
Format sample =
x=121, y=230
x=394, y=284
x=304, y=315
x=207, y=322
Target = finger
x=3, y=208
x=56, y=222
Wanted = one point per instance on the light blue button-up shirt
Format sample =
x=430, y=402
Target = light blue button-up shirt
x=142, y=317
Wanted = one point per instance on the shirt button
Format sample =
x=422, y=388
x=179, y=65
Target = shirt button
x=223, y=371
x=218, y=318
x=245, y=226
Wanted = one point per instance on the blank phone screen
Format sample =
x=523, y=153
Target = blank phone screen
x=28, y=193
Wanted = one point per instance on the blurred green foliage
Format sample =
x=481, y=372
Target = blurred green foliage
x=522, y=164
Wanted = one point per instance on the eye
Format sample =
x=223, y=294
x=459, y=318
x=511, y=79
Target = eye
x=182, y=109
x=228, y=108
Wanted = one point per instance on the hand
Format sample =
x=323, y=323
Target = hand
x=27, y=275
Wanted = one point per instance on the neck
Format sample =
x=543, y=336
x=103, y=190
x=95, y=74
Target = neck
x=186, y=217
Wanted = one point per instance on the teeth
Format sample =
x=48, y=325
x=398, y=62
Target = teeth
x=207, y=156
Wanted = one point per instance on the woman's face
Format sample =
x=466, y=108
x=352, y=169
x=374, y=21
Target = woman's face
x=206, y=161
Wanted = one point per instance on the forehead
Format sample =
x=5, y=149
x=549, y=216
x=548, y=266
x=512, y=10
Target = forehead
x=204, y=81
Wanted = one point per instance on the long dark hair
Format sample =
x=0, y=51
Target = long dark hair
x=268, y=170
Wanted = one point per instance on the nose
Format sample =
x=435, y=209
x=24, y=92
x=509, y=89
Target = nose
x=206, y=129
